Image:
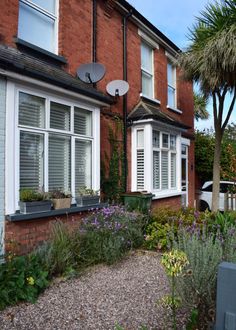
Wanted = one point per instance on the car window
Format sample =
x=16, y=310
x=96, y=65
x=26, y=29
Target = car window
x=208, y=188
x=224, y=187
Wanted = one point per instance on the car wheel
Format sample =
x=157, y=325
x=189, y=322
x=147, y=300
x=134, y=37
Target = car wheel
x=203, y=206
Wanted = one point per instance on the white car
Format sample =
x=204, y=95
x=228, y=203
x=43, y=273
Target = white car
x=205, y=197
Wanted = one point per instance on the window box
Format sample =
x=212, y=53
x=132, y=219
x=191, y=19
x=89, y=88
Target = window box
x=61, y=203
x=87, y=200
x=140, y=201
x=35, y=207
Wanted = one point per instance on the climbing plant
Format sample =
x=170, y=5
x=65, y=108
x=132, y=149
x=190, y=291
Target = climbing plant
x=112, y=173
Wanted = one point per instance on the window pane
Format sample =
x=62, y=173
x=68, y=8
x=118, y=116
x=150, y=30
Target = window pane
x=147, y=85
x=164, y=170
x=140, y=138
x=173, y=170
x=82, y=122
x=170, y=74
x=156, y=170
x=36, y=27
x=83, y=164
x=156, y=139
x=48, y=5
x=60, y=116
x=146, y=57
x=140, y=169
x=31, y=161
x=165, y=140
x=31, y=110
x=59, y=155
x=172, y=142
x=183, y=149
x=171, y=96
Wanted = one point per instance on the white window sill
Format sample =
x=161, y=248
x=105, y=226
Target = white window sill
x=174, y=109
x=166, y=194
x=150, y=98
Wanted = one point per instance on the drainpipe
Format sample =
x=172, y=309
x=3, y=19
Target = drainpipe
x=94, y=30
x=124, y=21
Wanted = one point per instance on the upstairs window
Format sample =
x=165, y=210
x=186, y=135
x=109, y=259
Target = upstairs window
x=38, y=23
x=147, y=70
x=171, y=79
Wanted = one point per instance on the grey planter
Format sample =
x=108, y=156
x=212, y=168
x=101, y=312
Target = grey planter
x=87, y=200
x=35, y=207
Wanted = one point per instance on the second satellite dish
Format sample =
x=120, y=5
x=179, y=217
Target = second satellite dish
x=91, y=72
x=117, y=87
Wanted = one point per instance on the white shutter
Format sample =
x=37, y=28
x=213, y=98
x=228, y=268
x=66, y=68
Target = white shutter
x=83, y=164
x=59, y=116
x=164, y=170
x=59, y=167
x=82, y=122
x=140, y=169
x=156, y=169
x=173, y=170
x=31, y=110
x=31, y=161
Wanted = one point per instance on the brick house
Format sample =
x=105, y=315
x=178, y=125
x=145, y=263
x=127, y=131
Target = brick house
x=54, y=128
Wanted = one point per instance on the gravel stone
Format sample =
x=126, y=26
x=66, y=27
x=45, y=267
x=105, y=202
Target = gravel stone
x=125, y=294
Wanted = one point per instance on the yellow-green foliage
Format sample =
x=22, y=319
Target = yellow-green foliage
x=174, y=262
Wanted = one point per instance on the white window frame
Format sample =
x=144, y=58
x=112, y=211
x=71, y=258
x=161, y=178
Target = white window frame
x=148, y=159
x=172, y=85
x=13, y=140
x=54, y=17
x=149, y=73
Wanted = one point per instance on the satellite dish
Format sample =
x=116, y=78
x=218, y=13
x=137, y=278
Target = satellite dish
x=117, y=87
x=91, y=72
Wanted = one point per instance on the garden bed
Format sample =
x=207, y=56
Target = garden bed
x=124, y=294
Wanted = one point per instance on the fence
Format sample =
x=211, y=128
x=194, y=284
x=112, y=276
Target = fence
x=229, y=202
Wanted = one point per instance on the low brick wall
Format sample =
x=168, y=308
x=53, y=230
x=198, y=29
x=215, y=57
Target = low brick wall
x=23, y=236
x=172, y=202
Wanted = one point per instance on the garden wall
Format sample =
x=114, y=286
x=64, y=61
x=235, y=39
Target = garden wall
x=172, y=202
x=23, y=236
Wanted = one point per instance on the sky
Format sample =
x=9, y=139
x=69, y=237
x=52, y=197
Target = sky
x=174, y=18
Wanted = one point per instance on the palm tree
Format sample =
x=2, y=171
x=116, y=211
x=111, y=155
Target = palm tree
x=210, y=60
x=200, y=104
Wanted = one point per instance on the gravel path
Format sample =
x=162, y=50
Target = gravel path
x=123, y=294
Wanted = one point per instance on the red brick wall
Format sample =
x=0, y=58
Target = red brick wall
x=172, y=202
x=22, y=236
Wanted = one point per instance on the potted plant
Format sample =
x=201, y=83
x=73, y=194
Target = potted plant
x=60, y=199
x=87, y=196
x=32, y=201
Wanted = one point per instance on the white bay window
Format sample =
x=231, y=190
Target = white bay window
x=55, y=145
x=160, y=165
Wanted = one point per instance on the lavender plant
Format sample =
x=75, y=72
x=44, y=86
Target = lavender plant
x=106, y=234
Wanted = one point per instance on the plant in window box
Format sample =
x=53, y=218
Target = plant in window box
x=87, y=196
x=60, y=199
x=32, y=201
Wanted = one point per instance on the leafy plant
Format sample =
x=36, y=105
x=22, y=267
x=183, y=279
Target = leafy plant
x=57, y=255
x=84, y=191
x=59, y=194
x=107, y=234
x=174, y=263
x=21, y=278
x=29, y=195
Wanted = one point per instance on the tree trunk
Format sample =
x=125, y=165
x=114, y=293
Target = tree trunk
x=216, y=171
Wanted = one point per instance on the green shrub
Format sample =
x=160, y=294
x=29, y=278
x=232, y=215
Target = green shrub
x=21, y=278
x=58, y=255
x=164, y=222
x=107, y=234
x=29, y=195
